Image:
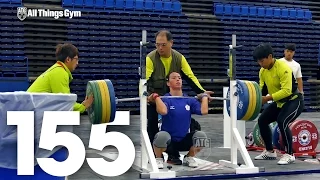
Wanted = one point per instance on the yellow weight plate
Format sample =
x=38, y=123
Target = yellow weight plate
x=108, y=103
x=103, y=102
x=248, y=113
x=254, y=99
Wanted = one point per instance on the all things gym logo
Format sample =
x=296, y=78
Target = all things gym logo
x=205, y=147
x=24, y=12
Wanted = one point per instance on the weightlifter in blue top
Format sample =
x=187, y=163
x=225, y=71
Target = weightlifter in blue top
x=174, y=135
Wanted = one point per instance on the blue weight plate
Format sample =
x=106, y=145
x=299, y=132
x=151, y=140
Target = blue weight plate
x=112, y=100
x=275, y=137
x=243, y=102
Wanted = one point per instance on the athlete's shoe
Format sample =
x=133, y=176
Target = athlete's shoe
x=174, y=160
x=159, y=163
x=266, y=155
x=189, y=161
x=286, y=159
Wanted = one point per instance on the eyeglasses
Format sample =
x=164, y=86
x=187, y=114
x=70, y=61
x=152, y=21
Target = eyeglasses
x=160, y=44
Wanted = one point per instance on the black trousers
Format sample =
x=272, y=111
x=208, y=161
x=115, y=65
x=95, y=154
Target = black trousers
x=284, y=116
x=152, y=116
x=184, y=145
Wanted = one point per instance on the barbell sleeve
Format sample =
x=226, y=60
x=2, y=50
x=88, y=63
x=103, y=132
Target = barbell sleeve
x=127, y=99
x=169, y=97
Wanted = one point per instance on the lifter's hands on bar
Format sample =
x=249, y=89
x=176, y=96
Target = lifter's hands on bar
x=150, y=98
x=206, y=92
x=160, y=106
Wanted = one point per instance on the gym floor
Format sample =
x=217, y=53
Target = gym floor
x=212, y=124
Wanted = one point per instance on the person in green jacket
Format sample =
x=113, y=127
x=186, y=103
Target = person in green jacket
x=277, y=80
x=57, y=78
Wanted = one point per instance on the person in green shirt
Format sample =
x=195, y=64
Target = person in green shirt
x=277, y=80
x=161, y=62
x=57, y=78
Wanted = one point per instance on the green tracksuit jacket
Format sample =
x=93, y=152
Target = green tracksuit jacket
x=55, y=80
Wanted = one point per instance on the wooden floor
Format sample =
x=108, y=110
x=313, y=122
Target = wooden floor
x=211, y=124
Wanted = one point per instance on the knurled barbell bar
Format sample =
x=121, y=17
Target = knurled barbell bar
x=103, y=109
x=168, y=97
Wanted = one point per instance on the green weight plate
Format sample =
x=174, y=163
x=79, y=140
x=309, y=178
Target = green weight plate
x=258, y=104
x=257, y=136
x=259, y=99
x=98, y=108
x=91, y=90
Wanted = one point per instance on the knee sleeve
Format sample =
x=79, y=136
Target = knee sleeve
x=162, y=139
x=199, y=135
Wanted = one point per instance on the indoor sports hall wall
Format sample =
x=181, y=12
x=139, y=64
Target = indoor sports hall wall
x=109, y=31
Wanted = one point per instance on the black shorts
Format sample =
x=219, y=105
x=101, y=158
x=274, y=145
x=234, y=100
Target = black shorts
x=184, y=145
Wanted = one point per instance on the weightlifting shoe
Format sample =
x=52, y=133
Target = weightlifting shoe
x=286, y=159
x=159, y=163
x=189, y=161
x=174, y=160
x=266, y=155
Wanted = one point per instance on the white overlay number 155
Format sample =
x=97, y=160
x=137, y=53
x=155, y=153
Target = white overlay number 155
x=49, y=139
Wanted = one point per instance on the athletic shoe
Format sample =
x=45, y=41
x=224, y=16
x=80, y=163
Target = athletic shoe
x=159, y=163
x=286, y=159
x=266, y=155
x=162, y=157
x=189, y=161
x=174, y=160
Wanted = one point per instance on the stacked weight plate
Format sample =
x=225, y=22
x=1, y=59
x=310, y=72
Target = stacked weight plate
x=249, y=100
x=304, y=137
x=103, y=109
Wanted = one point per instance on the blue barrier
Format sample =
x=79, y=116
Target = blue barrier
x=39, y=174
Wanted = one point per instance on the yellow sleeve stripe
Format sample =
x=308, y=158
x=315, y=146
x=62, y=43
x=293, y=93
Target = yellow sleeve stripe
x=149, y=68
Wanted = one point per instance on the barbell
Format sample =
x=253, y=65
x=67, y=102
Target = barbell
x=103, y=109
x=168, y=97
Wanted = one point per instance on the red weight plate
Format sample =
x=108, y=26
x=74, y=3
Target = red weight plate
x=304, y=136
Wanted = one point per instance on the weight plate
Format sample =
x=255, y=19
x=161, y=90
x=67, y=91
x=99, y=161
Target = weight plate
x=257, y=136
x=275, y=138
x=91, y=90
x=98, y=109
x=108, y=103
x=112, y=100
x=250, y=140
x=242, y=99
x=254, y=100
x=251, y=101
x=304, y=136
x=103, y=101
x=258, y=101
